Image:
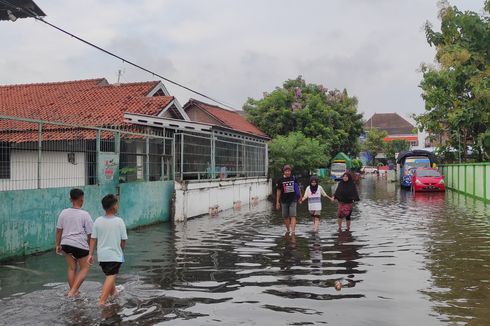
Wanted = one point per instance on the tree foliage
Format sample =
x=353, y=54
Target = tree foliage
x=396, y=146
x=305, y=154
x=485, y=143
x=374, y=143
x=356, y=165
x=457, y=90
x=328, y=115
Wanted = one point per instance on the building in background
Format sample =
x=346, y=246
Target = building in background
x=81, y=119
x=397, y=127
x=208, y=113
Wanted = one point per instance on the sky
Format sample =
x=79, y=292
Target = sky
x=233, y=50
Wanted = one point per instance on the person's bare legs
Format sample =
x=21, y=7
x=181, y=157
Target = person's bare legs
x=114, y=290
x=316, y=224
x=108, y=288
x=71, y=271
x=348, y=225
x=80, y=276
x=339, y=222
x=293, y=224
x=287, y=223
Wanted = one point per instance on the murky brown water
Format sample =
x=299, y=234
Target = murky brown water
x=409, y=260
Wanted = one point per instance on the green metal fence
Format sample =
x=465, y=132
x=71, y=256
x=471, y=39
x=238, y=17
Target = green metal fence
x=472, y=179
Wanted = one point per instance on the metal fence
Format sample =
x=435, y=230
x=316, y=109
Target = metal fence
x=39, y=154
x=217, y=156
x=472, y=179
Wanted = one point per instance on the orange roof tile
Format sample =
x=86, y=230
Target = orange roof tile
x=92, y=102
x=228, y=118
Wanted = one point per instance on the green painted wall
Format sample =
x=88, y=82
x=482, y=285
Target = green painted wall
x=144, y=203
x=28, y=217
x=472, y=179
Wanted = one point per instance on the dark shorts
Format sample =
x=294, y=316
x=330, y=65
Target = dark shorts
x=110, y=267
x=75, y=252
x=288, y=209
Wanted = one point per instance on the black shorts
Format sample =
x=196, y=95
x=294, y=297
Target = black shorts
x=110, y=267
x=75, y=252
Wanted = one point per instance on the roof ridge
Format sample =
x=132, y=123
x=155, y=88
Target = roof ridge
x=390, y=113
x=213, y=105
x=133, y=83
x=55, y=83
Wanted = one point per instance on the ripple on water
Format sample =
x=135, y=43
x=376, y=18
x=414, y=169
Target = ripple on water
x=429, y=253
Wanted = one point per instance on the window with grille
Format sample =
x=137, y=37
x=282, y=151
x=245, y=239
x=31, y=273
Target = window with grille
x=4, y=161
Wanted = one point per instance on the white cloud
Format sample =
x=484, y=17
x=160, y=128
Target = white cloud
x=232, y=50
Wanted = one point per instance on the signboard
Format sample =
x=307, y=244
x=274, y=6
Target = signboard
x=108, y=168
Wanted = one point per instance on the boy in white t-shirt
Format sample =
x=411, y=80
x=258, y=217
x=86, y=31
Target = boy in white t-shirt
x=109, y=234
x=72, y=235
x=314, y=193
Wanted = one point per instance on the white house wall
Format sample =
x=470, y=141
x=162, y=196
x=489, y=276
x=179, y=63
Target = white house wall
x=56, y=171
x=194, y=198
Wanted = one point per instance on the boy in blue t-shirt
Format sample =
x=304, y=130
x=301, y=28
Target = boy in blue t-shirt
x=109, y=233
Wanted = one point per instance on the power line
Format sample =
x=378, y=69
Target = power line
x=31, y=14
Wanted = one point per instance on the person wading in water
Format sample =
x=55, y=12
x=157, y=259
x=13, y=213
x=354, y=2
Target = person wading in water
x=287, y=195
x=314, y=193
x=346, y=194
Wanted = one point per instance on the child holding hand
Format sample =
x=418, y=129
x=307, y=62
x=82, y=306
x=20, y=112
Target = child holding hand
x=314, y=193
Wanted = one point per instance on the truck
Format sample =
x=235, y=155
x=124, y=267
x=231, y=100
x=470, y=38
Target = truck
x=409, y=161
x=341, y=163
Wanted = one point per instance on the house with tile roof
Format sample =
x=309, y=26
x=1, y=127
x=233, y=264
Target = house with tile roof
x=92, y=102
x=71, y=111
x=100, y=137
x=85, y=103
x=396, y=127
x=212, y=114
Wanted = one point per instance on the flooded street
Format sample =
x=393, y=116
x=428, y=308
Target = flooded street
x=409, y=259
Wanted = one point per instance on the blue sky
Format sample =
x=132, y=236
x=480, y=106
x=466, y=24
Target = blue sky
x=232, y=50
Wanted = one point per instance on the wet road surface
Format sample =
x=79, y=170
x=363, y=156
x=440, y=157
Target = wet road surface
x=409, y=259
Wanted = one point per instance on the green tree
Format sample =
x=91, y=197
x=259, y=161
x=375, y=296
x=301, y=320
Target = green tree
x=305, y=154
x=356, y=165
x=457, y=90
x=485, y=143
x=396, y=146
x=374, y=143
x=328, y=115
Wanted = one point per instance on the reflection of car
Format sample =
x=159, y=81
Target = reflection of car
x=426, y=179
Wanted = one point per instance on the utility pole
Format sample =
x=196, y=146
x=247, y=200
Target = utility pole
x=119, y=72
x=459, y=147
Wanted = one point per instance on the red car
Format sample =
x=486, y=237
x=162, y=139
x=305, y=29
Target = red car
x=426, y=179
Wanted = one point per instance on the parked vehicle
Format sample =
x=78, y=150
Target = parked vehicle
x=369, y=169
x=411, y=160
x=341, y=163
x=427, y=179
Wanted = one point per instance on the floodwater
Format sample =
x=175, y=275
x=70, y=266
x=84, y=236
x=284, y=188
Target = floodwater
x=409, y=259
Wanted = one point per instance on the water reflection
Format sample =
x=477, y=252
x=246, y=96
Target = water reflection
x=409, y=259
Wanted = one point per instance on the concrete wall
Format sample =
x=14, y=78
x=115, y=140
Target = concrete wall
x=56, y=171
x=194, y=198
x=144, y=203
x=472, y=179
x=28, y=217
